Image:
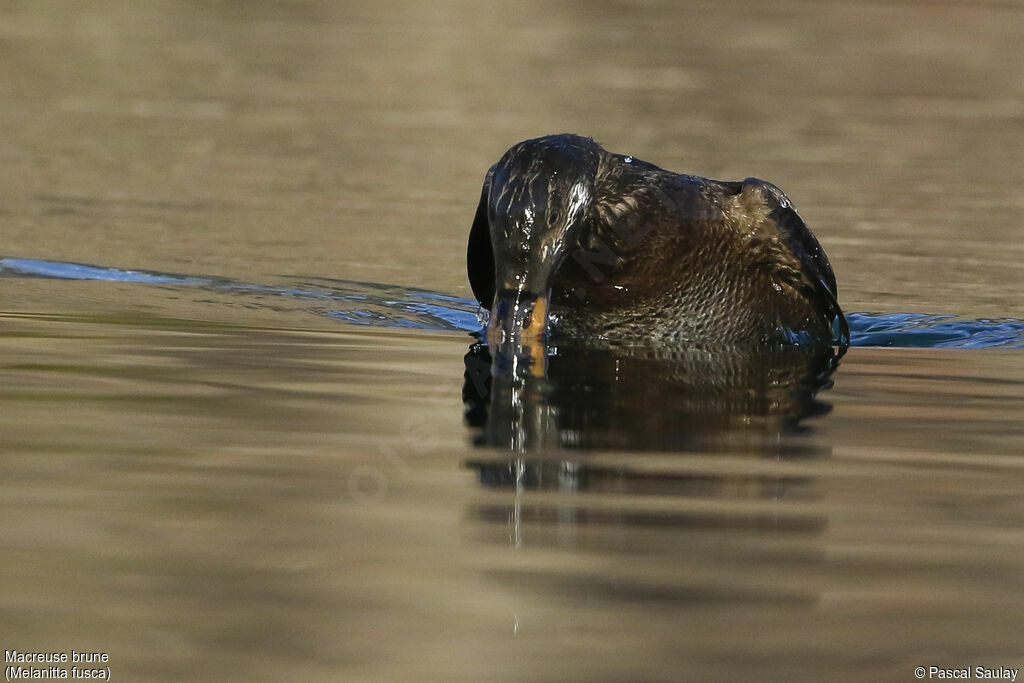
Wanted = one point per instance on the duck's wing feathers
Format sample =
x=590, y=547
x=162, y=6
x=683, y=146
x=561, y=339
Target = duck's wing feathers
x=801, y=242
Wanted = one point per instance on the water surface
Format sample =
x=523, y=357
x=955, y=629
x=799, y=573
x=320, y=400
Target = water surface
x=223, y=501
x=245, y=431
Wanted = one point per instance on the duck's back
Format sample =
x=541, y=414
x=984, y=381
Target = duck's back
x=687, y=259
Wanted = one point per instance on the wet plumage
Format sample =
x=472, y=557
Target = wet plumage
x=587, y=243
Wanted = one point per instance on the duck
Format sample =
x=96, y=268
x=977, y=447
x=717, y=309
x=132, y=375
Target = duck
x=572, y=241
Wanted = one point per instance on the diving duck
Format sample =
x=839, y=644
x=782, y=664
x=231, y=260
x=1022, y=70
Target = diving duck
x=577, y=241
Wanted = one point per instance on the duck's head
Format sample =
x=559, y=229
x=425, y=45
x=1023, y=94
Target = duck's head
x=533, y=209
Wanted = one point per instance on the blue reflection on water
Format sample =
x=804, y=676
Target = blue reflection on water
x=370, y=303
x=917, y=330
x=77, y=271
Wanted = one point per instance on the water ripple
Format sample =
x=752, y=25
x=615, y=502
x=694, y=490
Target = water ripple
x=918, y=330
x=368, y=303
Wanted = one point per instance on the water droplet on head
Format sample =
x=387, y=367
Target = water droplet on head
x=628, y=159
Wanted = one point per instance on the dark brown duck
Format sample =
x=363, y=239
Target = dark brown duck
x=588, y=243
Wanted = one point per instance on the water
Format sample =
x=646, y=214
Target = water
x=246, y=433
x=368, y=303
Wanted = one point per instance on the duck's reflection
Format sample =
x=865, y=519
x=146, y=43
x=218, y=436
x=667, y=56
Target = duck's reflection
x=639, y=398
x=579, y=422
x=601, y=450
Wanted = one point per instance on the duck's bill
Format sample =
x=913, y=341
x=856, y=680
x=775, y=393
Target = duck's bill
x=518, y=323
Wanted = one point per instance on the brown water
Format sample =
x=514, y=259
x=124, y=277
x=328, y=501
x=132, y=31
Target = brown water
x=209, y=473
